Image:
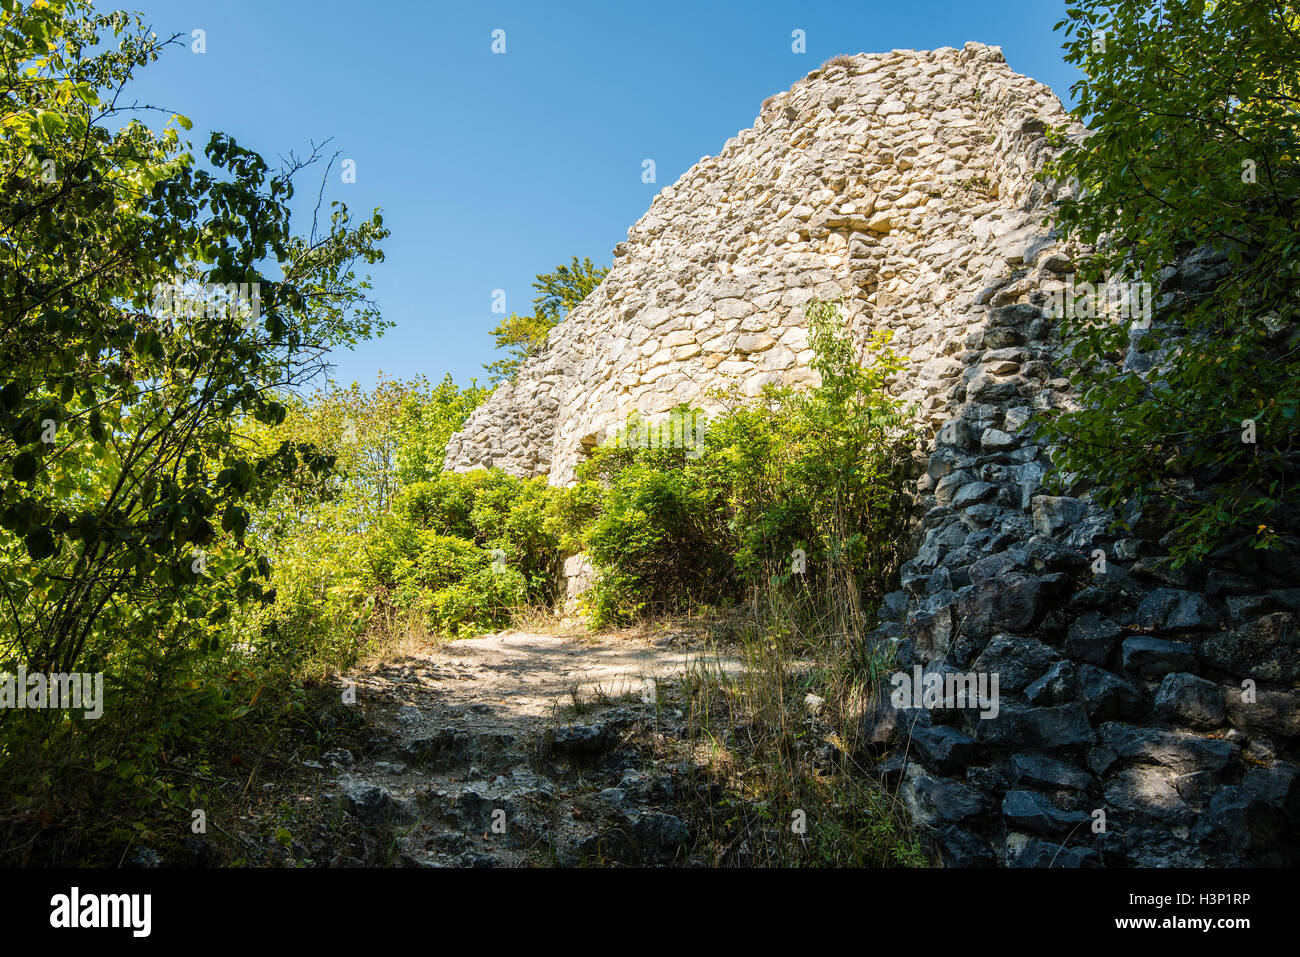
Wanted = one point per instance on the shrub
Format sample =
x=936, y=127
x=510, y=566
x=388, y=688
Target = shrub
x=660, y=538
x=480, y=600
x=443, y=503
x=820, y=471
x=1170, y=166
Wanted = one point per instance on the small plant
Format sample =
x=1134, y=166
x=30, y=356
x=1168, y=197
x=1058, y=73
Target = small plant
x=1057, y=136
x=843, y=60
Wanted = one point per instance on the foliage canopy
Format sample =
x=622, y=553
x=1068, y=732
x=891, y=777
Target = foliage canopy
x=1193, y=115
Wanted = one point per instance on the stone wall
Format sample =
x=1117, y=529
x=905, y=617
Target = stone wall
x=1147, y=715
x=901, y=183
x=904, y=183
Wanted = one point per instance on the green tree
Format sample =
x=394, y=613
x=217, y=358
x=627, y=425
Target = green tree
x=149, y=308
x=428, y=419
x=557, y=294
x=1193, y=110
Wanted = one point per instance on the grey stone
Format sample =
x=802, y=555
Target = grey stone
x=1160, y=568
x=1052, y=513
x=613, y=796
x=1039, y=770
x=1272, y=712
x=371, y=804
x=995, y=440
x=946, y=488
x=944, y=749
x=1015, y=602
x=1190, y=700
x=884, y=725
x=985, y=294
x=1037, y=853
x=1157, y=656
x=1106, y=695
x=1057, y=685
x=1180, y=750
x=1037, y=814
x=1017, y=314
x=995, y=566
x=1021, y=726
x=1221, y=582
x=934, y=801
x=1197, y=273
x=582, y=739
x=961, y=848
x=1240, y=821
x=1016, y=660
x=893, y=606
x=1002, y=338
x=1127, y=549
x=1101, y=760
x=1045, y=555
x=1145, y=792
x=972, y=493
x=1172, y=609
x=1195, y=787
x=1278, y=785
x=1247, y=606
x=1267, y=649
x=338, y=758
x=1092, y=638
x=933, y=622
x=658, y=837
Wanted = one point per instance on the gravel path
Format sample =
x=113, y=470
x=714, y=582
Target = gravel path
x=520, y=748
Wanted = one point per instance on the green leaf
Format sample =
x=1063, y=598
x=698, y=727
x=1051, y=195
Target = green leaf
x=25, y=466
x=41, y=544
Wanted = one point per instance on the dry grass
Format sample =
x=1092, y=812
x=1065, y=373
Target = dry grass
x=843, y=60
x=774, y=765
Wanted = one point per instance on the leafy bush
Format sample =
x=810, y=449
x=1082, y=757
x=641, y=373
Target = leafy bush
x=1170, y=166
x=820, y=471
x=453, y=552
x=158, y=307
x=443, y=504
x=479, y=600
x=408, y=560
x=428, y=418
x=659, y=539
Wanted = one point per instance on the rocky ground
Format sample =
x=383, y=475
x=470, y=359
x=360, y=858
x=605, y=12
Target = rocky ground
x=513, y=749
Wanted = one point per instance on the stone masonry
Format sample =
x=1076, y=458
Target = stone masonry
x=905, y=184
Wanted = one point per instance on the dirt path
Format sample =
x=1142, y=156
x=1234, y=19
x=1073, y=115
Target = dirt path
x=520, y=748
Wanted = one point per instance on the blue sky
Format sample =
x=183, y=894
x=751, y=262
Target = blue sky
x=491, y=168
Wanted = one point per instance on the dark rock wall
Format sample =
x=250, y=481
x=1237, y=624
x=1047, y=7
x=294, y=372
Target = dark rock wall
x=1147, y=716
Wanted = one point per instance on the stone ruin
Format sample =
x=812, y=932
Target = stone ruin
x=905, y=184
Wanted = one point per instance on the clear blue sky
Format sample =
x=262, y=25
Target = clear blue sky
x=492, y=168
